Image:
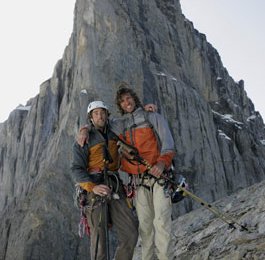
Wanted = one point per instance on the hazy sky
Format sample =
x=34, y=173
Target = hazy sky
x=34, y=35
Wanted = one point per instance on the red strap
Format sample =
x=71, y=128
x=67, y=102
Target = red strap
x=84, y=228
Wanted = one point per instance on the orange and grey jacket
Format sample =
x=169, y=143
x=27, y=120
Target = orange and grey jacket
x=88, y=161
x=150, y=134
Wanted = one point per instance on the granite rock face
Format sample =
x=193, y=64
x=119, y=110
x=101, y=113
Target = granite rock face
x=219, y=137
x=201, y=235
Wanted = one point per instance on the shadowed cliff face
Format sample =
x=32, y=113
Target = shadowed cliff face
x=219, y=137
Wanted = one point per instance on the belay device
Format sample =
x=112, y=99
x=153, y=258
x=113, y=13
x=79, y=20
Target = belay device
x=132, y=154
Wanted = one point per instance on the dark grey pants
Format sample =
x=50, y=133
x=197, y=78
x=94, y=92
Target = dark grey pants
x=125, y=224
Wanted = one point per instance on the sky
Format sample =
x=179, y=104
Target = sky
x=34, y=35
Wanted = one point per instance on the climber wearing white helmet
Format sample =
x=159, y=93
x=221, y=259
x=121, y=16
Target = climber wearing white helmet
x=89, y=168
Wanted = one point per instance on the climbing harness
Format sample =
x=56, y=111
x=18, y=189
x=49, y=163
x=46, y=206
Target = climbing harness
x=84, y=202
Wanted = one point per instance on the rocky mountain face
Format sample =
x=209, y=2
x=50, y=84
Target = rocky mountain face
x=201, y=234
x=219, y=137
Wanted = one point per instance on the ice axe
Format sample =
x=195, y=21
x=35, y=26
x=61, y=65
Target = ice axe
x=132, y=154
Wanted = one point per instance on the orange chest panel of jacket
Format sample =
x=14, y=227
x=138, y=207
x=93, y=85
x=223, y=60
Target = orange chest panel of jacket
x=96, y=160
x=146, y=143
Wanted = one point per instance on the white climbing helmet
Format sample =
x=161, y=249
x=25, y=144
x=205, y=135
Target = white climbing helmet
x=96, y=104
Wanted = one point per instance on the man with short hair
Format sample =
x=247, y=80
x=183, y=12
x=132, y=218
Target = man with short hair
x=150, y=135
x=89, y=163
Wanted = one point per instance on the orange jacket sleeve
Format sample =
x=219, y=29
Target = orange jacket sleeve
x=88, y=186
x=166, y=158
